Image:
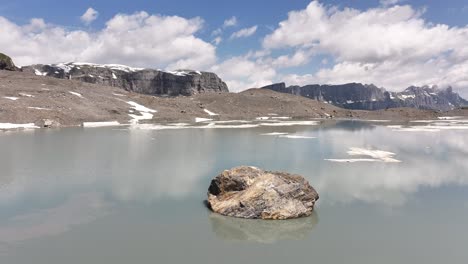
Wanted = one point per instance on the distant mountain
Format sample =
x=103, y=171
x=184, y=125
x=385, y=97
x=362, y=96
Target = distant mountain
x=370, y=97
x=146, y=81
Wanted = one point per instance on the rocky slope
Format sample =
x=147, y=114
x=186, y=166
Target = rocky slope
x=6, y=63
x=145, y=81
x=46, y=101
x=370, y=97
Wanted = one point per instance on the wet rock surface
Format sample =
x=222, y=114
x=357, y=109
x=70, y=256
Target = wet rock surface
x=252, y=193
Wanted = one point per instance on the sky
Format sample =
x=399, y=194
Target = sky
x=389, y=43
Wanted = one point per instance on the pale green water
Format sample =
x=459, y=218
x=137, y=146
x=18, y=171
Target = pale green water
x=136, y=196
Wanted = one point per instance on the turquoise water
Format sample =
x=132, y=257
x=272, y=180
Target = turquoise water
x=117, y=195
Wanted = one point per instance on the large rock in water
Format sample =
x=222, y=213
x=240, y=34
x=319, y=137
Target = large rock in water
x=249, y=192
x=6, y=63
x=145, y=81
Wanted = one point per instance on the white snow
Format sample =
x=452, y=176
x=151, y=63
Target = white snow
x=272, y=114
x=145, y=112
x=38, y=108
x=183, y=72
x=281, y=117
x=117, y=94
x=15, y=126
x=350, y=102
x=375, y=156
x=141, y=108
x=200, y=119
x=11, y=98
x=76, y=94
x=101, y=124
x=39, y=73
x=404, y=96
x=209, y=112
x=230, y=121
x=26, y=95
x=114, y=76
x=449, y=117
x=143, y=116
x=108, y=66
x=263, y=118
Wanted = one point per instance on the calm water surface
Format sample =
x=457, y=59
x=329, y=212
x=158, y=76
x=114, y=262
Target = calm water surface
x=136, y=196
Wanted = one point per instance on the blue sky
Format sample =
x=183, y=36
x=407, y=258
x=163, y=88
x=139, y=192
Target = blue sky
x=315, y=64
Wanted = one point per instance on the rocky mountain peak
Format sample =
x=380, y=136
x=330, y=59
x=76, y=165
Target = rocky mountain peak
x=6, y=63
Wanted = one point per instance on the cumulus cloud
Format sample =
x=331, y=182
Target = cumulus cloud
x=89, y=16
x=231, y=22
x=392, y=47
x=389, y=2
x=217, y=40
x=138, y=39
x=244, y=33
x=242, y=72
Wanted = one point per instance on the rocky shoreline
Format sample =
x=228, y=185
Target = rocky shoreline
x=51, y=102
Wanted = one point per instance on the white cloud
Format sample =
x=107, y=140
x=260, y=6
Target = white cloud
x=244, y=33
x=241, y=73
x=389, y=2
x=138, y=39
x=389, y=46
x=89, y=16
x=217, y=40
x=231, y=22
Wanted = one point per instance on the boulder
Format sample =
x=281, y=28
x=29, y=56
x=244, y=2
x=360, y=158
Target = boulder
x=249, y=192
x=6, y=63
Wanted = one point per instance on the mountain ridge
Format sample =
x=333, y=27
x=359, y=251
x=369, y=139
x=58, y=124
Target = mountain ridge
x=140, y=80
x=358, y=96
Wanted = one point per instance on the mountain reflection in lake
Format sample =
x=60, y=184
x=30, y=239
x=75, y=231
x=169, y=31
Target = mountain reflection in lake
x=116, y=196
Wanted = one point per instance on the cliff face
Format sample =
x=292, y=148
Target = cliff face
x=146, y=81
x=369, y=97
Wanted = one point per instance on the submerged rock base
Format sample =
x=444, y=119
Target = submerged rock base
x=249, y=192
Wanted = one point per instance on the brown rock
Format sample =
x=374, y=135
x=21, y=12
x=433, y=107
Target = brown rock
x=249, y=192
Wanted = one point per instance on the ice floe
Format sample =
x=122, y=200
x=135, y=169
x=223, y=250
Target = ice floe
x=291, y=123
x=16, y=126
x=370, y=154
x=443, y=123
x=209, y=112
x=274, y=134
x=101, y=124
x=213, y=125
x=287, y=135
x=76, y=94
x=296, y=137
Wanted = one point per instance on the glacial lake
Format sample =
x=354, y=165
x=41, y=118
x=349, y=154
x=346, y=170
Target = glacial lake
x=119, y=195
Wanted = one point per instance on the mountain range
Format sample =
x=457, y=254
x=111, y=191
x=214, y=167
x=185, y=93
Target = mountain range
x=359, y=96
